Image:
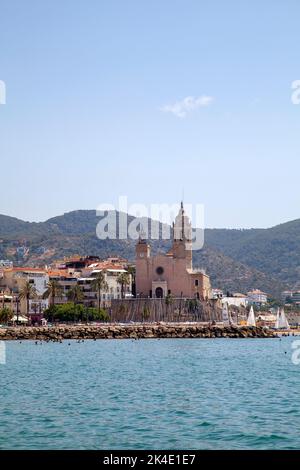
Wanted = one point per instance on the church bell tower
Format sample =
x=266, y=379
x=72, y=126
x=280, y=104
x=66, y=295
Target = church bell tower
x=182, y=237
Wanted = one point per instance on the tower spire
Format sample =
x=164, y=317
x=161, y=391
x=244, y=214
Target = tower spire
x=182, y=221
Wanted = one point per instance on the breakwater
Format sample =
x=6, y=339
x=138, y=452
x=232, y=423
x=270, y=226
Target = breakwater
x=131, y=331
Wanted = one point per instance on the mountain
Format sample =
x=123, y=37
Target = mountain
x=236, y=260
x=274, y=251
x=231, y=275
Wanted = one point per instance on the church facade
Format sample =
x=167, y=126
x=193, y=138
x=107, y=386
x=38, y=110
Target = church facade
x=171, y=273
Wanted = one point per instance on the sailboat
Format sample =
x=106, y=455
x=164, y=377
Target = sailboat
x=277, y=319
x=281, y=320
x=226, y=316
x=251, y=317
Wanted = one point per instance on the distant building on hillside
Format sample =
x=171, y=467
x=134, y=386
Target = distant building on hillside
x=286, y=295
x=257, y=297
x=291, y=297
x=6, y=263
x=22, y=251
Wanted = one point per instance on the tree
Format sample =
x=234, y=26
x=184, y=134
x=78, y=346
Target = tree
x=53, y=290
x=132, y=272
x=76, y=294
x=169, y=299
x=51, y=312
x=6, y=315
x=99, y=284
x=73, y=313
x=124, y=280
x=27, y=292
x=94, y=314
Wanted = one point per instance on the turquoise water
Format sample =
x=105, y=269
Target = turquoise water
x=153, y=394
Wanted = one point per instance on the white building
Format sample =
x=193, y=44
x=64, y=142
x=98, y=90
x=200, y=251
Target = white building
x=291, y=297
x=217, y=293
x=237, y=299
x=14, y=279
x=114, y=290
x=6, y=263
x=257, y=297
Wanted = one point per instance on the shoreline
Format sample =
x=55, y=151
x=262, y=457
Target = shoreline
x=132, y=331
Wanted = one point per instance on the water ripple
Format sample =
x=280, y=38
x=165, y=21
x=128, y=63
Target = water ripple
x=171, y=394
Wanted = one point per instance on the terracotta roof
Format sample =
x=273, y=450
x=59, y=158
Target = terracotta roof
x=26, y=269
x=62, y=273
x=256, y=291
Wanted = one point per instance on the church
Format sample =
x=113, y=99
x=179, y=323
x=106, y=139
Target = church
x=171, y=273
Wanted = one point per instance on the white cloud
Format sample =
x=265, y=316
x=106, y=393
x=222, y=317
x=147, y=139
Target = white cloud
x=188, y=104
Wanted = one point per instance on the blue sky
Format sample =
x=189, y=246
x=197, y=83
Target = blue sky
x=85, y=118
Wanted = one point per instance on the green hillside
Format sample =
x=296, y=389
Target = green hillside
x=235, y=259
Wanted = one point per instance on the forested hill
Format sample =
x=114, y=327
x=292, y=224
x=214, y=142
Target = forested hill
x=238, y=260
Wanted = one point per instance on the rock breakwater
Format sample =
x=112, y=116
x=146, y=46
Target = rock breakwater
x=131, y=331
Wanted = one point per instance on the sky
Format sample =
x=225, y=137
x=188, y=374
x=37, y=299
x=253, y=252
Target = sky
x=150, y=100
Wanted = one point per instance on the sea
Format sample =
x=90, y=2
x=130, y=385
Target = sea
x=150, y=394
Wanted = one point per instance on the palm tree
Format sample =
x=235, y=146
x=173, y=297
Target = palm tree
x=54, y=289
x=76, y=294
x=132, y=272
x=27, y=292
x=17, y=305
x=99, y=284
x=124, y=280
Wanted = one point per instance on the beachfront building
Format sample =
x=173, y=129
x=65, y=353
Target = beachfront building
x=171, y=273
x=82, y=272
x=13, y=279
x=66, y=282
x=266, y=319
x=111, y=271
x=237, y=299
x=6, y=299
x=257, y=297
